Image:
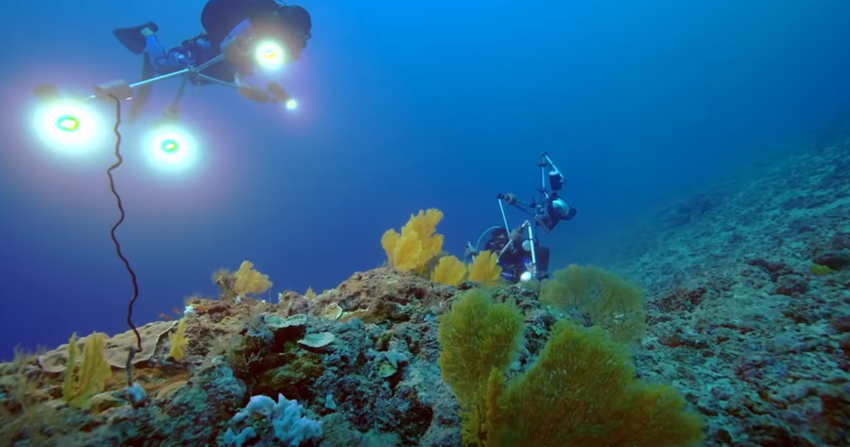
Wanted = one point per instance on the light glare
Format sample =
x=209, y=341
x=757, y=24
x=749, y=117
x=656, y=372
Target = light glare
x=171, y=149
x=68, y=123
x=270, y=55
x=69, y=127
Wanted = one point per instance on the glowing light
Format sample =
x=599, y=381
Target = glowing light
x=68, y=123
x=291, y=104
x=170, y=148
x=270, y=55
x=69, y=127
x=169, y=145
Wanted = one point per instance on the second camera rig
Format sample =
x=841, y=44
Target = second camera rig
x=546, y=214
x=552, y=209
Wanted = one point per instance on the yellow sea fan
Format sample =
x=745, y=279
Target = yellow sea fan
x=407, y=253
x=178, y=341
x=484, y=270
x=417, y=244
x=600, y=296
x=388, y=241
x=84, y=380
x=449, y=271
x=425, y=224
x=249, y=281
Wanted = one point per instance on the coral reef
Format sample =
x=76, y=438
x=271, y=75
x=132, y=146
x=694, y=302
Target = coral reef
x=744, y=318
x=748, y=300
x=362, y=360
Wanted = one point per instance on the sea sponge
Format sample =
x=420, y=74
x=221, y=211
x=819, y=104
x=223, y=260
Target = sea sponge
x=484, y=270
x=417, y=244
x=449, y=271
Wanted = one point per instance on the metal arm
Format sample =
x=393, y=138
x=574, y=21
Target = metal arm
x=122, y=90
x=504, y=217
x=533, y=250
x=556, y=179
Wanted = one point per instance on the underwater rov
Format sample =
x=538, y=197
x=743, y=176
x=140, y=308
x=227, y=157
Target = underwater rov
x=74, y=121
x=551, y=210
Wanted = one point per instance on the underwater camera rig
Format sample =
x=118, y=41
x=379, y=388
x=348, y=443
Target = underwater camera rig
x=242, y=52
x=546, y=214
x=552, y=209
x=70, y=119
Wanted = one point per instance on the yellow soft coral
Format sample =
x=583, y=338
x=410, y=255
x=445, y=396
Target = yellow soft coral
x=249, y=281
x=407, y=253
x=484, y=270
x=89, y=377
x=425, y=225
x=580, y=391
x=600, y=297
x=388, y=242
x=477, y=336
x=178, y=341
x=417, y=244
x=449, y=271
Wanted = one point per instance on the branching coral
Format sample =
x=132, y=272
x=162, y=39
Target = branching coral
x=416, y=244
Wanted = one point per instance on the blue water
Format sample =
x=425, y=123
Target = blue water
x=403, y=106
